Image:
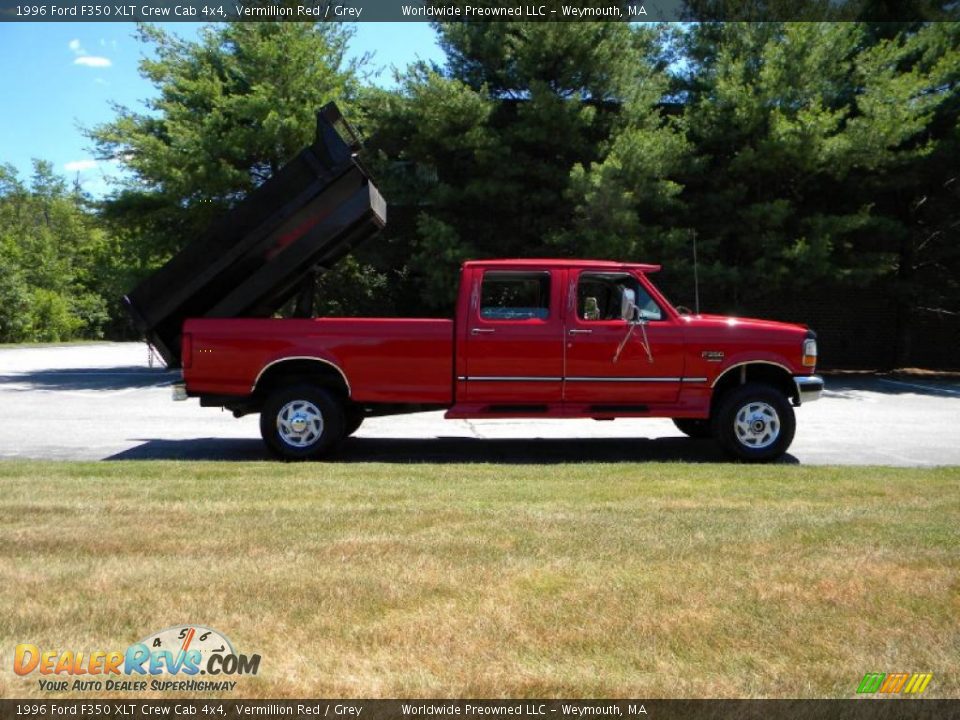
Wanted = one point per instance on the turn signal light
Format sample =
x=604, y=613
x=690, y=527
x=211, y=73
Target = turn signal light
x=810, y=353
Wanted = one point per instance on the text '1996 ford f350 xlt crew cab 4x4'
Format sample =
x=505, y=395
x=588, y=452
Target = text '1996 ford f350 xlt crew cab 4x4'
x=530, y=338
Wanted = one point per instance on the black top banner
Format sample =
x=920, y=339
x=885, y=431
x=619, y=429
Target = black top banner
x=480, y=10
x=127, y=709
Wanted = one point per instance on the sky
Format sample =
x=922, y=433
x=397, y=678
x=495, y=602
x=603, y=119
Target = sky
x=57, y=78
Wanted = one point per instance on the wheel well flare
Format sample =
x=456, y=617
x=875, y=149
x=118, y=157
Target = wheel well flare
x=315, y=371
x=767, y=373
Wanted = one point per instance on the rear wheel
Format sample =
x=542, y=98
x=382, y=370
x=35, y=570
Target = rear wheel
x=754, y=423
x=694, y=427
x=301, y=422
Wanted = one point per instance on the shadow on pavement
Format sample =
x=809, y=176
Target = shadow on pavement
x=114, y=378
x=237, y=449
x=452, y=450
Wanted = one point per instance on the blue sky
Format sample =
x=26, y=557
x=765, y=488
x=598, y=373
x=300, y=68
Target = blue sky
x=56, y=78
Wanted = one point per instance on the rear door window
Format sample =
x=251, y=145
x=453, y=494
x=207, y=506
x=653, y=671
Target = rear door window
x=515, y=296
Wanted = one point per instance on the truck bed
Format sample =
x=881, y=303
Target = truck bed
x=256, y=256
x=386, y=360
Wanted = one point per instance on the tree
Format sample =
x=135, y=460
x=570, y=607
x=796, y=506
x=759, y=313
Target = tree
x=50, y=246
x=806, y=150
x=826, y=139
x=802, y=155
x=484, y=157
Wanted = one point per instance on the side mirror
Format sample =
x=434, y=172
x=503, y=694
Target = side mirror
x=628, y=305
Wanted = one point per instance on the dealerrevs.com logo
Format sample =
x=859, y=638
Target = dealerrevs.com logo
x=171, y=659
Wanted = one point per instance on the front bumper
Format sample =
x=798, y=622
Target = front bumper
x=809, y=388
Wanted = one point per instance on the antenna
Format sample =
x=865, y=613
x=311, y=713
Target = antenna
x=696, y=277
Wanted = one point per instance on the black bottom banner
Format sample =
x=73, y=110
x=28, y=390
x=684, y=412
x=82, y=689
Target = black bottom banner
x=865, y=709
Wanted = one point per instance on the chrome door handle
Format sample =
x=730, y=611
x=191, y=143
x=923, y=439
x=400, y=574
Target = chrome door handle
x=477, y=331
x=579, y=332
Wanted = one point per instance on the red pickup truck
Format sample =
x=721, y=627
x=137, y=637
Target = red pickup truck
x=529, y=339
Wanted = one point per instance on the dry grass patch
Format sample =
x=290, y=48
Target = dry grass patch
x=488, y=580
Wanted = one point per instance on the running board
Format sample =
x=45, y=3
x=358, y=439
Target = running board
x=517, y=409
x=604, y=411
x=614, y=409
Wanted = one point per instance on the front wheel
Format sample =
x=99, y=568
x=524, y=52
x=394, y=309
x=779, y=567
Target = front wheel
x=754, y=423
x=301, y=422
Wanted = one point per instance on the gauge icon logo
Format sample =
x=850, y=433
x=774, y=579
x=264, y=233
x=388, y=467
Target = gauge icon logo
x=191, y=649
x=185, y=638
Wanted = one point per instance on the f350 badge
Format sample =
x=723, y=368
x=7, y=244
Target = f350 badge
x=712, y=355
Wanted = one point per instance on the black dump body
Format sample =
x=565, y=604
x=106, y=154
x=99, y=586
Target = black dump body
x=257, y=256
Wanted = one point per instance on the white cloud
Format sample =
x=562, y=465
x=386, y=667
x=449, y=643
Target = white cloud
x=85, y=58
x=93, y=61
x=80, y=165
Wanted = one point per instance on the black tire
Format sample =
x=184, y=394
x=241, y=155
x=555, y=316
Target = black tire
x=352, y=418
x=319, y=413
x=754, y=423
x=694, y=427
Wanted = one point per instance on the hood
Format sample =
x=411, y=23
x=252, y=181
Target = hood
x=748, y=324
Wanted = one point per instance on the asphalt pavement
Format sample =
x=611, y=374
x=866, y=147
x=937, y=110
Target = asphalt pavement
x=105, y=401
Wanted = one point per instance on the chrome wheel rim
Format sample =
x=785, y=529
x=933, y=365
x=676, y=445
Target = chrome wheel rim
x=757, y=425
x=300, y=423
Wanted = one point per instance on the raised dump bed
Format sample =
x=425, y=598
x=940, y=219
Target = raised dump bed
x=256, y=257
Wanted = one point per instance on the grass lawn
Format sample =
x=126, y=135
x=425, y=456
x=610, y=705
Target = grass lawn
x=376, y=580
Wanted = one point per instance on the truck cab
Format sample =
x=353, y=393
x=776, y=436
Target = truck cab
x=553, y=333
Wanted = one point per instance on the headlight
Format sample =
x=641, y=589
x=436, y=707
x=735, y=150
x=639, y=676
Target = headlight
x=810, y=353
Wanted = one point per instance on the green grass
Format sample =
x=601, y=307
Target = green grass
x=368, y=580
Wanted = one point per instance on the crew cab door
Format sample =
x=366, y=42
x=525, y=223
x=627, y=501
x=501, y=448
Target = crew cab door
x=596, y=373
x=514, y=337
